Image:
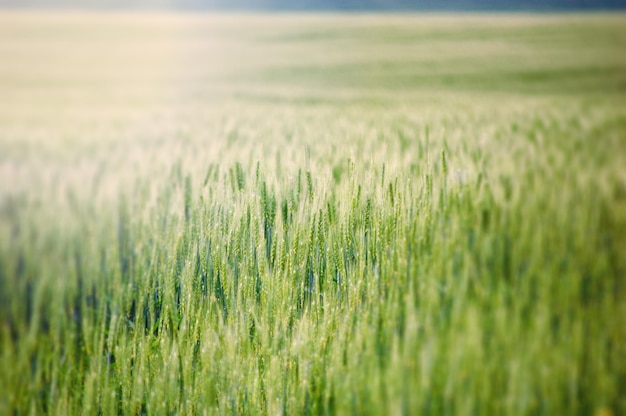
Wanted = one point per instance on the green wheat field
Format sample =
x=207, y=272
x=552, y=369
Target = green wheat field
x=312, y=214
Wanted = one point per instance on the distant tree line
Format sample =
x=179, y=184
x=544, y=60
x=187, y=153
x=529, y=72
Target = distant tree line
x=332, y=5
x=400, y=5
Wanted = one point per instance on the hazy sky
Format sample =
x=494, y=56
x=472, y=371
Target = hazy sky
x=324, y=4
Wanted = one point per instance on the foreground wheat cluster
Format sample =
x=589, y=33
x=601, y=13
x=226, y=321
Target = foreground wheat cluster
x=297, y=251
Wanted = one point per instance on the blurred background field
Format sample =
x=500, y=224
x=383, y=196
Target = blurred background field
x=312, y=213
x=136, y=78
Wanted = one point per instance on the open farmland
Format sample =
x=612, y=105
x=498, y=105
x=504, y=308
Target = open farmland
x=312, y=214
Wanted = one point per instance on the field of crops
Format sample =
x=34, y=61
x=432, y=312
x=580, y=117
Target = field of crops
x=312, y=214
